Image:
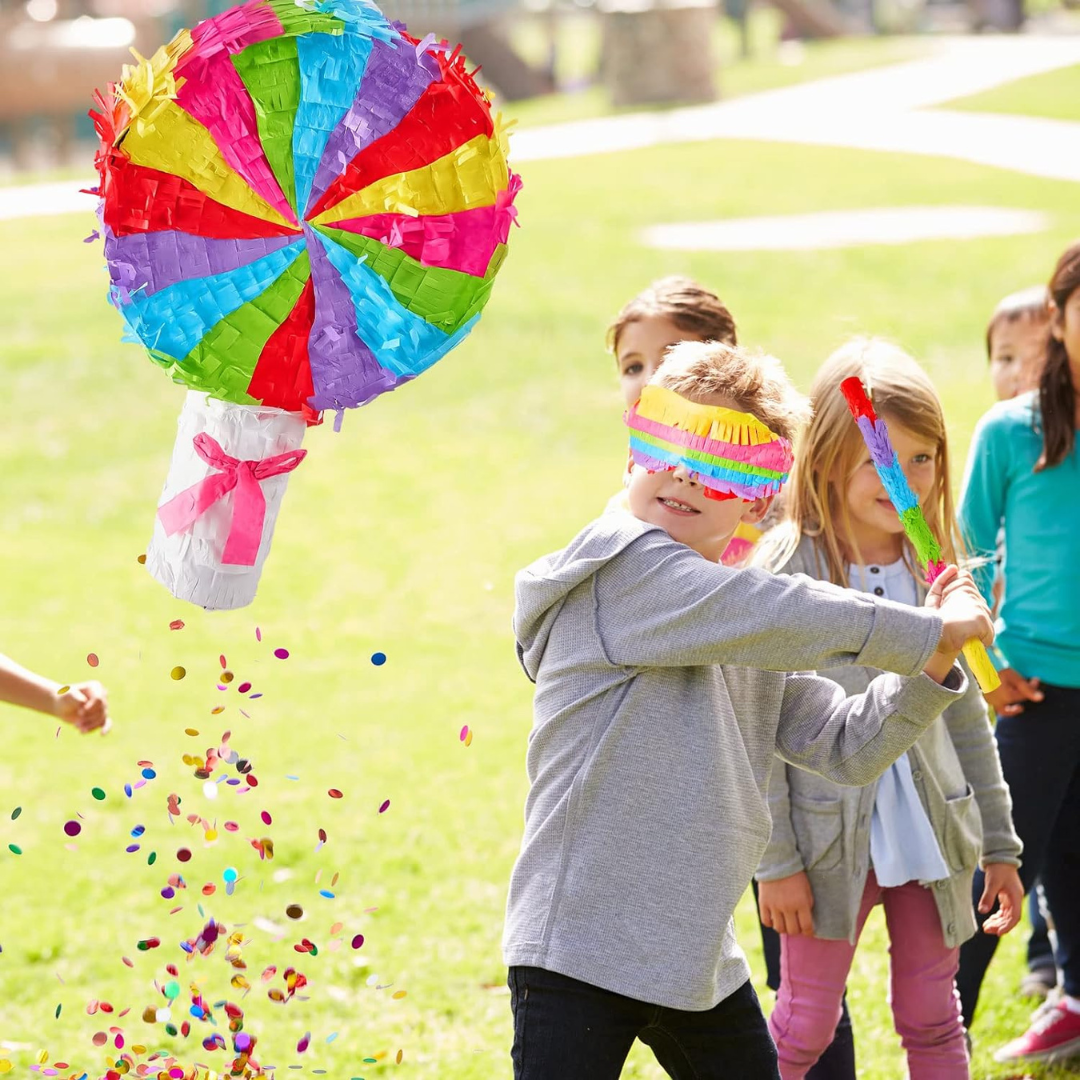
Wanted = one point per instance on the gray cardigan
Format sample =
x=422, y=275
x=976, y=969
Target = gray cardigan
x=662, y=696
x=824, y=829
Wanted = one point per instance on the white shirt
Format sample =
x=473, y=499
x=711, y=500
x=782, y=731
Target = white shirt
x=903, y=847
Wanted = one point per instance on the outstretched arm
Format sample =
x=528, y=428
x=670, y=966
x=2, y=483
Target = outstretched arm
x=84, y=705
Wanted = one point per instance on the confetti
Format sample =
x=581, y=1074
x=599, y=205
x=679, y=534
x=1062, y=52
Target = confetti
x=244, y=687
x=98, y=793
x=178, y=672
x=227, y=677
x=385, y=806
x=282, y=654
x=230, y=875
x=63, y=690
x=16, y=812
x=191, y=731
x=72, y=828
x=176, y=624
x=266, y=818
x=184, y=855
x=326, y=893
x=378, y=659
x=468, y=739
x=294, y=911
x=15, y=849
x=335, y=794
x=464, y=733
x=399, y=994
x=141, y=560
x=258, y=634
x=358, y=941
x=92, y=659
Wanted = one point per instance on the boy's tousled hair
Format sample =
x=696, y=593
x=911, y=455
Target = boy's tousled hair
x=833, y=447
x=690, y=306
x=1032, y=303
x=754, y=382
x=1057, y=393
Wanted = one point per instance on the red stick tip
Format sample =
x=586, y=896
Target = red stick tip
x=855, y=394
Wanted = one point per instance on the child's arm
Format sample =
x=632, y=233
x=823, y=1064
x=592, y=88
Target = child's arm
x=847, y=739
x=969, y=729
x=662, y=605
x=785, y=898
x=84, y=705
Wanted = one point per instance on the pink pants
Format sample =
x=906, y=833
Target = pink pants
x=925, y=1005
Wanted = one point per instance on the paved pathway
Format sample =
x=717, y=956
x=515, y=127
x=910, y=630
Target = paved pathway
x=881, y=109
x=886, y=108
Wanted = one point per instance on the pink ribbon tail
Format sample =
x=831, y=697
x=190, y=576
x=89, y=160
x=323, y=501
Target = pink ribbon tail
x=249, y=505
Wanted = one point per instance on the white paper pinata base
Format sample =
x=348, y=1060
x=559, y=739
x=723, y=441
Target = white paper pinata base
x=189, y=564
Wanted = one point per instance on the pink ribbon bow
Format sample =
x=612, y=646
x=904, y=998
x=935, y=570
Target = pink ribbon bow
x=249, y=505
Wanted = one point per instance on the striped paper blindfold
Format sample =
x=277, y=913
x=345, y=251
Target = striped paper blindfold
x=733, y=455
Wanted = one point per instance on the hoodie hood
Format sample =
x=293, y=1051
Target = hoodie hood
x=540, y=590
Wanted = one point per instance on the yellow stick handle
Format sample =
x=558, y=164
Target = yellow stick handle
x=979, y=661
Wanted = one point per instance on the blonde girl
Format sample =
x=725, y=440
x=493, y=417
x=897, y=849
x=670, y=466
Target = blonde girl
x=912, y=840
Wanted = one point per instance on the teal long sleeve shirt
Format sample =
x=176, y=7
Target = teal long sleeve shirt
x=1038, y=626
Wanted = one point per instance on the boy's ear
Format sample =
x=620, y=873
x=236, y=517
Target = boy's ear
x=757, y=510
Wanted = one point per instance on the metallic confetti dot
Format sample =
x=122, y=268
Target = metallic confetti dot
x=58, y=1008
x=151, y=858
x=378, y=659
x=15, y=849
x=399, y=994
x=385, y=806
x=138, y=830
x=334, y=793
x=92, y=659
x=258, y=634
x=400, y=1055
x=227, y=677
x=183, y=854
x=244, y=687
x=358, y=941
x=149, y=774
x=98, y=794
x=326, y=893
x=176, y=624
x=141, y=560
x=294, y=911
x=217, y=710
x=131, y=848
x=178, y=672
x=464, y=733
x=322, y=836
x=16, y=812
x=267, y=819
x=230, y=875
x=468, y=739
x=72, y=828
x=304, y=1043
x=101, y=1038
x=282, y=654
x=224, y=663
x=191, y=731
x=62, y=691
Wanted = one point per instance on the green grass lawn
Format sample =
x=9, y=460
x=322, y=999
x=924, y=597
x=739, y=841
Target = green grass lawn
x=1054, y=94
x=400, y=535
x=770, y=65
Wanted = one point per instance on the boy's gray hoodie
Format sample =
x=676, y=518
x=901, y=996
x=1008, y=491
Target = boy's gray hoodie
x=662, y=694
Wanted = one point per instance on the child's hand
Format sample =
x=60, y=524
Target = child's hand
x=1002, y=884
x=785, y=904
x=1014, y=688
x=85, y=706
x=965, y=615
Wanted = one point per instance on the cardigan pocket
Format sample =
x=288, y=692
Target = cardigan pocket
x=819, y=828
x=963, y=831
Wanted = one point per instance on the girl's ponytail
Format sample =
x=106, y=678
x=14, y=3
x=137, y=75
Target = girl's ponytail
x=1057, y=394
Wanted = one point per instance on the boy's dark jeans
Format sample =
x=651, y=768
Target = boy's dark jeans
x=1040, y=758
x=569, y=1030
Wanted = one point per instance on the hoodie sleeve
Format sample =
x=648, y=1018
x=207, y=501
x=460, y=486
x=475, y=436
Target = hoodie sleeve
x=781, y=858
x=853, y=740
x=660, y=604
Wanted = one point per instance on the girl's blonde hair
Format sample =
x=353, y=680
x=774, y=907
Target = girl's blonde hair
x=833, y=448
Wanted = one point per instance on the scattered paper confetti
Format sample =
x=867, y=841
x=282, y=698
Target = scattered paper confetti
x=178, y=672
x=176, y=624
x=92, y=659
x=282, y=654
x=378, y=659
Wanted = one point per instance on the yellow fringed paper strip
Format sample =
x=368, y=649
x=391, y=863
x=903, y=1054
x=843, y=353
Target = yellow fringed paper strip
x=175, y=142
x=665, y=406
x=470, y=176
x=148, y=85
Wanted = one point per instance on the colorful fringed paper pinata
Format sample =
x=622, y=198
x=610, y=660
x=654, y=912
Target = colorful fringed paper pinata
x=927, y=549
x=733, y=455
x=304, y=208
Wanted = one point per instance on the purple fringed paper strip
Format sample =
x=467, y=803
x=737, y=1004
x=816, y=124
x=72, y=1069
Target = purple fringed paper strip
x=154, y=261
x=387, y=92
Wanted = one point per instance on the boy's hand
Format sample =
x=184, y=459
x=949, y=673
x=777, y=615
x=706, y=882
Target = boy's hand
x=964, y=614
x=1002, y=883
x=85, y=706
x=785, y=904
x=1014, y=688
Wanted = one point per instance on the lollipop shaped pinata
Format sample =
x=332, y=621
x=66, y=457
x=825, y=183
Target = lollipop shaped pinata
x=303, y=208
